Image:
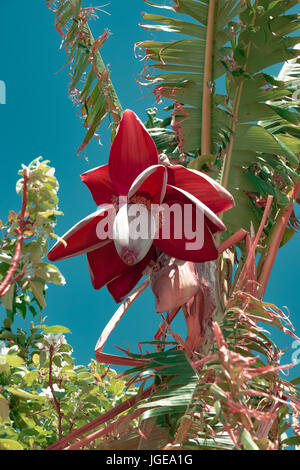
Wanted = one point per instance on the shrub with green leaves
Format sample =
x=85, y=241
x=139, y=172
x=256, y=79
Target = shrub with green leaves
x=44, y=395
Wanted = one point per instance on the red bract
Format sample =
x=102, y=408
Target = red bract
x=135, y=173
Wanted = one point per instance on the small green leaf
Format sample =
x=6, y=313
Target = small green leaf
x=13, y=360
x=22, y=393
x=199, y=162
x=296, y=381
x=5, y=258
x=8, y=298
x=4, y=409
x=291, y=441
x=293, y=159
x=84, y=376
x=116, y=386
x=247, y=441
x=38, y=292
x=35, y=359
x=30, y=377
x=218, y=408
x=7, y=322
x=65, y=348
x=50, y=273
x=218, y=392
x=10, y=444
x=56, y=329
x=43, y=358
x=60, y=395
x=288, y=234
x=3, y=363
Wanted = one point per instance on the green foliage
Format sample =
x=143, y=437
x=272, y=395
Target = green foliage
x=91, y=87
x=174, y=397
x=43, y=393
x=28, y=415
x=234, y=398
x=27, y=291
x=180, y=67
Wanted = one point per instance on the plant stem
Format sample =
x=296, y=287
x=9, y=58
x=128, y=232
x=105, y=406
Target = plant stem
x=268, y=258
x=36, y=413
x=236, y=107
x=207, y=78
x=110, y=358
x=7, y=282
x=56, y=402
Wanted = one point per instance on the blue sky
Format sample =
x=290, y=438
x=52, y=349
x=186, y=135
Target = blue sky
x=40, y=119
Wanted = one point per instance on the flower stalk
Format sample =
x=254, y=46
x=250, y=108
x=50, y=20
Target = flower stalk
x=8, y=280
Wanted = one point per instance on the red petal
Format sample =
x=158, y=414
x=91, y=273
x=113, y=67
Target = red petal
x=133, y=150
x=204, y=188
x=100, y=185
x=123, y=285
x=182, y=197
x=81, y=238
x=151, y=183
x=105, y=265
x=176, y=248
x=179, y=247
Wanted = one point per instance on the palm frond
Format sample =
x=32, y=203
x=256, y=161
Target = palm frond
x=185, y=78
x=91, y=87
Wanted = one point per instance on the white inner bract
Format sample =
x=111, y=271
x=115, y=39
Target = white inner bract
x=133, y=232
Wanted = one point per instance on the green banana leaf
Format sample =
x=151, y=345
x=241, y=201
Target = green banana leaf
x=256, y=122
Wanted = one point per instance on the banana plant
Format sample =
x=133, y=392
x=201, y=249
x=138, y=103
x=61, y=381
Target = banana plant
x=229, y=119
